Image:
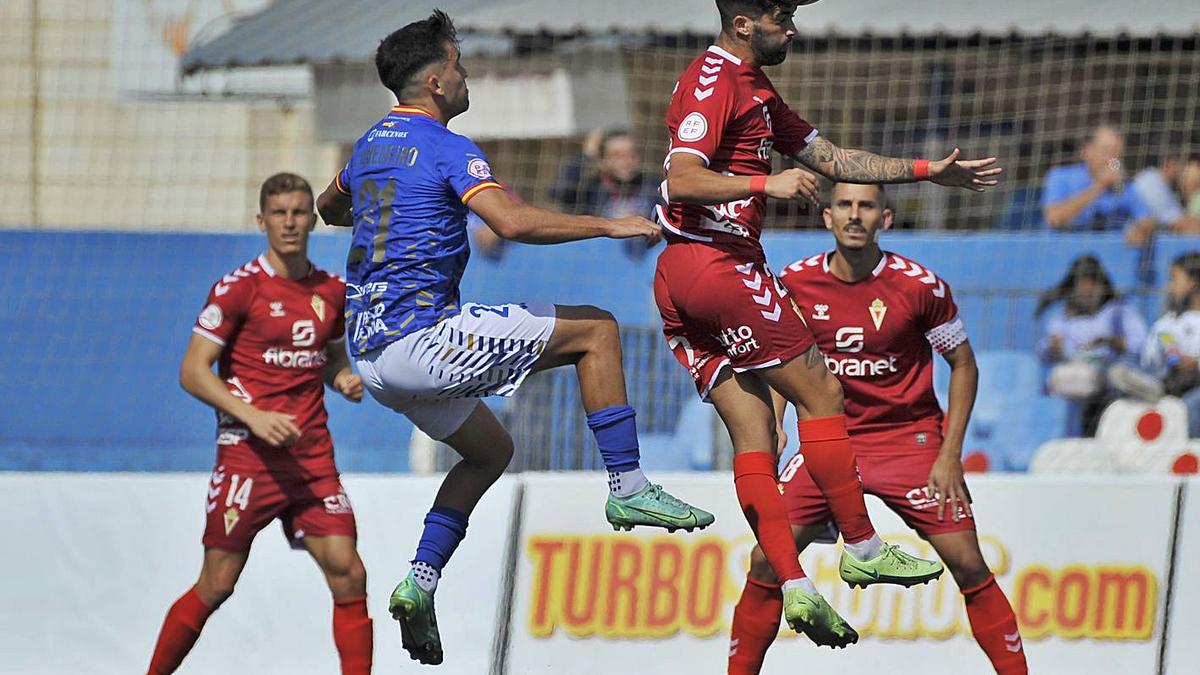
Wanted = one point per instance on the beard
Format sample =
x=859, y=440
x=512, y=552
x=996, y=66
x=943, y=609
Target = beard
x=768, y=55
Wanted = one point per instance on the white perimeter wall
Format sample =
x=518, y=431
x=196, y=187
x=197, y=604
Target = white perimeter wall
x=92, y=561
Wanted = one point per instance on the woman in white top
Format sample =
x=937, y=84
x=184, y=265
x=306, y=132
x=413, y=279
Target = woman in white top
x=1088, y=329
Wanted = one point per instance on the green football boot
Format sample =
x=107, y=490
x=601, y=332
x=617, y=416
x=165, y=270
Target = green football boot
x=412, y=606
x=654, y=507
x=891, y=566
x=811, y=615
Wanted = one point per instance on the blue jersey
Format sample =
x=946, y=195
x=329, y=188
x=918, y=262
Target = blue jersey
x=410, y=179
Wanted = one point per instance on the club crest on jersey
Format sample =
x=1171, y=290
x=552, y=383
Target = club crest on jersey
x=276, y=309
x=231, y=519
x=878, y=311
x=318, y=305
x=822, y=312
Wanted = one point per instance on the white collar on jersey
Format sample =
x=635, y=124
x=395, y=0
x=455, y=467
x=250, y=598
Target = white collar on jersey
x=724, y=54
x=266, y=266
x=262, y=262
x=875, y=272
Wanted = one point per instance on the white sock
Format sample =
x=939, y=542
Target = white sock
x=805, y=584
x=625, y=483
x=866, y=549
x=425, y=576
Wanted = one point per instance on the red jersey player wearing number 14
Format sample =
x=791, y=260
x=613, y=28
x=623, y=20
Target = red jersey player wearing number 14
x=276, y=327
x=730, y=323
x=878, y=317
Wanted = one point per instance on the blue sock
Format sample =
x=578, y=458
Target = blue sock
x=444, y=529
x=615, y=429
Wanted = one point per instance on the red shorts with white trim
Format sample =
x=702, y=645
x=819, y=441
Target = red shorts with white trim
x=721, y=310
x=899, y=476
x=240, y=503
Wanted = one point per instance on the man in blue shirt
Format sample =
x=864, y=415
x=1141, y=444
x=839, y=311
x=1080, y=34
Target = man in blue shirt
x=422, y=352
x=1092, y=196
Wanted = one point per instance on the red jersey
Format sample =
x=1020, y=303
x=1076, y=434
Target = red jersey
x=728, y=114
x=878, y=336
x=274, y=332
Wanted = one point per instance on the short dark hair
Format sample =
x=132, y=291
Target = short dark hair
x=731, y=9
x=409, y=50
x=1189, y=264
x=881, y=191
x=279, y=184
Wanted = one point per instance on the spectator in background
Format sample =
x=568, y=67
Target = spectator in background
x=607, y=181
x=1091, y=195
x=1189, y=187
x=1156, y=188
x=1171, y=353
x=1089, y=330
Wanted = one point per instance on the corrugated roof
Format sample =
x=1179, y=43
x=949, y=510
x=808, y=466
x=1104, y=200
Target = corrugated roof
x=314, y=31
x=306, y=31
x=850, y=16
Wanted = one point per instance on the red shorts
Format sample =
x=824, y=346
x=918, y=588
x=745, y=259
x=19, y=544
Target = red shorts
x=241, y=503
x=898, y=476
x=722, y=310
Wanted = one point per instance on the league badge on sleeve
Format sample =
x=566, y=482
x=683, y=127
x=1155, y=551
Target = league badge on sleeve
x=211, y=317
x=479, y=168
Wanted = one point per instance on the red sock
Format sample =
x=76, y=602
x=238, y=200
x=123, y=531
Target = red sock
x=754, y=479
x=755, y=625
x=179, y=631
x=353, y=635
x=995, y=627
x=830, y=461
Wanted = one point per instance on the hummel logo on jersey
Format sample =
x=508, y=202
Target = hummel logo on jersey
x=822, y=312
x=849, y=339
x=276, y=309
x=878, y=311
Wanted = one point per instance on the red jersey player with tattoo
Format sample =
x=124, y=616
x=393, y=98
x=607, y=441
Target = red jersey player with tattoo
x=878, y=318
x=730, y=322
x=275, y=326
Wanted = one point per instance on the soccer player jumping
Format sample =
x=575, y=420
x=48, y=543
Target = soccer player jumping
x=878, y=317
x=729, y=321
x=276, y=327
x=406, y=190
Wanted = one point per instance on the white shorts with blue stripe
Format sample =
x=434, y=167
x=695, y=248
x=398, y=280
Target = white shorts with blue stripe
x=436, y=375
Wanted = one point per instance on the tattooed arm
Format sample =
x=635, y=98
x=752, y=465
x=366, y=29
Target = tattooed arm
x=854, y=166
x=859, y=166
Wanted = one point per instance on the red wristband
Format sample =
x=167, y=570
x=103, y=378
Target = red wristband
x=758, y=185
x=921, y=169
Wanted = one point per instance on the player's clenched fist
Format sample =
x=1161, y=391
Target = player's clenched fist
x=277, y=429
x=791, y=184
x=635, y=226
x=349, y=385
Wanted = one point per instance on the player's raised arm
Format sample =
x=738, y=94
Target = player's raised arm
x=197, y=378
x=690, y=180
x=860, y=166
x=531, y=225
x=334, y=204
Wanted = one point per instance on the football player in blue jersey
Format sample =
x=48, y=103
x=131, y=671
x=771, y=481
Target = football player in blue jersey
x=406, y=192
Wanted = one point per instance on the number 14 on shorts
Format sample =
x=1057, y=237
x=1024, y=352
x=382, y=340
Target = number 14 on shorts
x=237, y=497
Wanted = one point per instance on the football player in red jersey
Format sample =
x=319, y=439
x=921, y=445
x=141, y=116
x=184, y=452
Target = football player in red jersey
x=276, y=327
x=728, y=320
x=878, y=317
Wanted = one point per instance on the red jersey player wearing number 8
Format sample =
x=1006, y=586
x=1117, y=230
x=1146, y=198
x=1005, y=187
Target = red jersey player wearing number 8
x=731, y=324
x=878, y=318
x=276, y=327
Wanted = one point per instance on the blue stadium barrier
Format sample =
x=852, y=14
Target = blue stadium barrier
x=94, y=324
